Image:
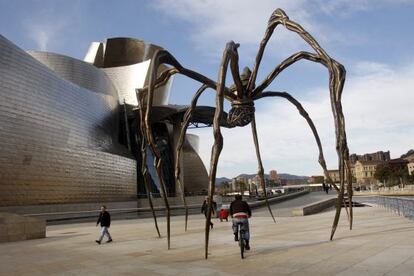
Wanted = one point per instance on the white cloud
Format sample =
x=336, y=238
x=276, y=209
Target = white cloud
x=212, y=23
x=379, y=116
x=347, y=7
x=379, y=104
x=44, y=34
x=50, y=28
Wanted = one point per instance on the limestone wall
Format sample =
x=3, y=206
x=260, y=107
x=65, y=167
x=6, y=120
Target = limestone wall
x=16, y=228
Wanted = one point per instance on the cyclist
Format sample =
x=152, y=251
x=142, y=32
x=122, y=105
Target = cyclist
x=240, y=212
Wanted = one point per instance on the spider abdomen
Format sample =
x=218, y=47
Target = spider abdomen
x=240, y=114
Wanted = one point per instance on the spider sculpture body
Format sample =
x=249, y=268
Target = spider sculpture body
x=242, y=96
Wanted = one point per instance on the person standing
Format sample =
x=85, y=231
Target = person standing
x=105, y=220
x=204, y=209
x=223, y=214
x=240, y=212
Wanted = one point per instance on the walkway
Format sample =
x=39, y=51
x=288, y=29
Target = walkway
x=285, y=208
x=380, y=244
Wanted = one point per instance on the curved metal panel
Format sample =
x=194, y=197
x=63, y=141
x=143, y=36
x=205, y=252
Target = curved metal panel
x=128, y=78
x=194, y=141
x=126, y=61
x=194, y=172
x=122, y=51
x=57, y=139
x=76, y=71
x=95, y=54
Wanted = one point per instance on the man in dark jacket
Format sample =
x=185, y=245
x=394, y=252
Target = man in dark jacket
x=240, y=212
x=105, y=221
x=204, y=209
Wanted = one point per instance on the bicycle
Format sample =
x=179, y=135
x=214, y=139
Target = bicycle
x=242, y=240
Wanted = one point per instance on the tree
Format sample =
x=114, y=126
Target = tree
x=400, y=174
x=410, y=179
x=392, y=173
x=383, y=173
x=224, y=188
x=241, y=186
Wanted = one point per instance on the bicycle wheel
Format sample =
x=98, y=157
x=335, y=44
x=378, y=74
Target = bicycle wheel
x=242, y=244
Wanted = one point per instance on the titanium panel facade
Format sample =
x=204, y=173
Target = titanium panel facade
x=57, y=138
x=194, y=173
x=61, y=125
x=76, y=71
x=127, y=79
x=126, y=62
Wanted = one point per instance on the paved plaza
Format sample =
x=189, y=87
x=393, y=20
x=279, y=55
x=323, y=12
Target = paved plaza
x=381, y=243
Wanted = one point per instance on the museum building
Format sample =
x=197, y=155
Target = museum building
x=69, y=129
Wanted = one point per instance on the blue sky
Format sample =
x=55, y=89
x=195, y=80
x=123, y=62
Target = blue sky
x=373, y=39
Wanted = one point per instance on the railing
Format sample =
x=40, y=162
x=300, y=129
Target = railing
x=158, y=195
x=402, y=206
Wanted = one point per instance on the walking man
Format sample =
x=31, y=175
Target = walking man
x=105, y=221
x=204, y=209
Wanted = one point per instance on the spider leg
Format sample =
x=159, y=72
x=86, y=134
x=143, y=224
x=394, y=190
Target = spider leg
x=336, y=83
x=187, y=117
x=144, y=167
x=337, y=77
x=234, y=65
x=306, y=116
x=282, y=66
x=218, y=138
x=266, y=82
x=164, y=57
x=336, y=80
x=341, y=189
x=158, y=161
x=260, y=169
x=272, y=24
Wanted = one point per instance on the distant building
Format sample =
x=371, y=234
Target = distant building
x=314, y=179
x=365, y=171
x=233, y=184
x=242, y=179
x=273, y=175
x=239, y=183
x=334, y=174
x=256, y=181
x=398, y=163
x=410, y=167
x=409, y=156
x=376, y=156
x=363, y=167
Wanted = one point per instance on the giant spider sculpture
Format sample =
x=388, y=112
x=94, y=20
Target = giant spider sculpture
x=242, y=95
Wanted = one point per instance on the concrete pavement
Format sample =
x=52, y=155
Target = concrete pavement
x=381, y=243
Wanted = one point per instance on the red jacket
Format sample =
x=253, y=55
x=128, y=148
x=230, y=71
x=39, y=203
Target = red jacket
x=223, y=214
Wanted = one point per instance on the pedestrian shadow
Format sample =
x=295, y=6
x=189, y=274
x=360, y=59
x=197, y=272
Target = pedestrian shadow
x=64, y=236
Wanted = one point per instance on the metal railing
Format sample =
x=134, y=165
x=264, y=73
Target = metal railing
x=402, y=206
x=158, y=195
